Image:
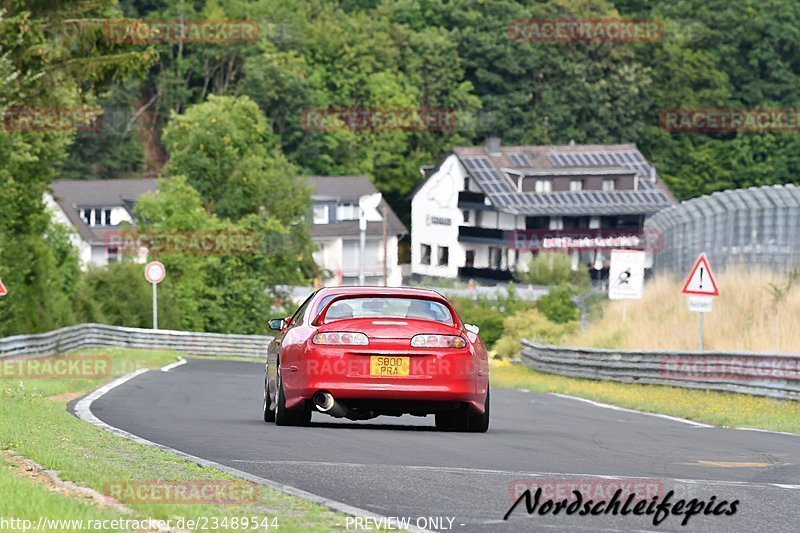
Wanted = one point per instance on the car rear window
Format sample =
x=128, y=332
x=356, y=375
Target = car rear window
x=383, y=307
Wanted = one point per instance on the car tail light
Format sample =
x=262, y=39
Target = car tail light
x=438, y=341
x=341, y=338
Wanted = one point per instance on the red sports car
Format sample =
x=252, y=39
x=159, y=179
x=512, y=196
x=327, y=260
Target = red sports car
x=362, y=352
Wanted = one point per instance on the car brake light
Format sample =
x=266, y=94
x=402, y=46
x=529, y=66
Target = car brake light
x=341, y=338
x=438, y=341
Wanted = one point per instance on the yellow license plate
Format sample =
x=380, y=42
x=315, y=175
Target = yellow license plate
x=388, y=366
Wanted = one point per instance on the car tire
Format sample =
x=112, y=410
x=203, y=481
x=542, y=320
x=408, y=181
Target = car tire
x=269, y=414
x=464, y=421
x=444, y=421
x=283, y=416
x=480, y=423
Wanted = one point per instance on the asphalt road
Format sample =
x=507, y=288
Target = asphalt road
x=403, y=467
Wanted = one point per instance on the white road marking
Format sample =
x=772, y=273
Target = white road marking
x=625, y=410
x=174, y=365
x=768, y=431
x=456, y=469
x=667, y=417
x=84, y=412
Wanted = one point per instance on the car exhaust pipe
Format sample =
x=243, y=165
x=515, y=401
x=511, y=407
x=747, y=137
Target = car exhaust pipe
x=326, y=403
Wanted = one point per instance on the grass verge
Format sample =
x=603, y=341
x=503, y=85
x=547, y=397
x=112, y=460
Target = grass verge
x=710, y=407
x=35, y=423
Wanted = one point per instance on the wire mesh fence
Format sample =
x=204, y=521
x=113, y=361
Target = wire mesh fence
x=755, y=227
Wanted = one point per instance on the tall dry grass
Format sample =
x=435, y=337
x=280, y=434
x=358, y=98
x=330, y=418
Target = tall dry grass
x=743, y=318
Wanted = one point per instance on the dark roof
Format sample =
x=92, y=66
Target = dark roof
x=342, y=188
x=493, y=172
x=349, y=189
x=72, y=195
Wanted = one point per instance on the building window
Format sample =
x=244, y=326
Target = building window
x=466, y=216
x=425, y=254
x=320, y=214
x=608, y=185
x=576, y=185
x=543, y=186
x=469, y=259
x=495, y=258
x=96, y=216
x=466, y=183
x=347, y=212
x=556, y=223
x=443, y=257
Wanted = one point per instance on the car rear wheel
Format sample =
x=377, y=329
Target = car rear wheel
x=269, y=414
x=480, y=423
x=463, y=420
x=283, y=416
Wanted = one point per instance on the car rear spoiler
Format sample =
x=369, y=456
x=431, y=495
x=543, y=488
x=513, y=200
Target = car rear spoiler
x=320, y=318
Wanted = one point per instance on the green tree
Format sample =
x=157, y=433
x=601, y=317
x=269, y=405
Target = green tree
x=232, y=158
x=224, y=292
x=53, y=56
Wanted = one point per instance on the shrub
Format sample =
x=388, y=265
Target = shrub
x=533, y=325
x=120, y=295
x=488, y=314
x=555, y=269
x=557, y=305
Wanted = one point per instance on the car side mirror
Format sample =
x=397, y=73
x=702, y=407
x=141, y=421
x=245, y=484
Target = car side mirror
x=276, y=324
x=472, y=328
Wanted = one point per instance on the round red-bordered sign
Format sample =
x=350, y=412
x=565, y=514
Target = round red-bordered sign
x=155, y=271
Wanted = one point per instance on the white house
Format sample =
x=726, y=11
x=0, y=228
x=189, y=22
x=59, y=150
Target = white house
x=335, y=232
x=96, y=208
x=93, y=208
x=484, y=210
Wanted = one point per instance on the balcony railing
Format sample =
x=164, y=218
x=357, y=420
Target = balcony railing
x=478, y=234
x=471, y=198
x=484, y=273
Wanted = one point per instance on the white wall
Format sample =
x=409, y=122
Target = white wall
x=338, y=254
x=85, y=253
x=438, y=197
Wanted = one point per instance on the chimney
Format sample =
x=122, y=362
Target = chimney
x=493, y=145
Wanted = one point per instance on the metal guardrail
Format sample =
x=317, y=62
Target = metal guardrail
x=104, y=336
x=762, y=374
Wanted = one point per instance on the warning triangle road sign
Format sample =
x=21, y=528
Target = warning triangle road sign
x=701, y=279
x=3, y=290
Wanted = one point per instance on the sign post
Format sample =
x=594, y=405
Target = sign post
x=626, y=277
x=367, y=205
x=154, y=272
x=701, y=287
